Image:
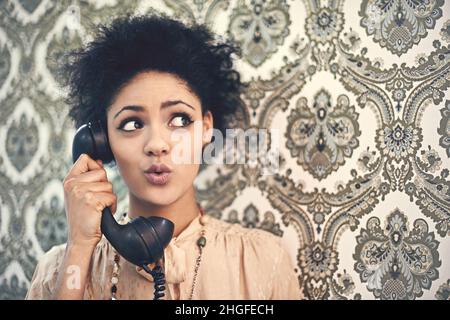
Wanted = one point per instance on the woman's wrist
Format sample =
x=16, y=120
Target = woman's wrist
x=82, y=245
x=74, y=270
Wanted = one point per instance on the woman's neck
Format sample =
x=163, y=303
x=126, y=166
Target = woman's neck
x=181, y=212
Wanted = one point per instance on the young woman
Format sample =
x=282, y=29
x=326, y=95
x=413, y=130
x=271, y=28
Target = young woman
x=143, y=78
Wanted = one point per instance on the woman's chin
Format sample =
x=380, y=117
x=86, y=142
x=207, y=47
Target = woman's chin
x=160, y=196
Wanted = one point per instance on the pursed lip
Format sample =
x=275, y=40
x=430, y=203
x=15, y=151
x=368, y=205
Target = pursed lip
x=158, y=174
x=158, y=168
x=158, y=178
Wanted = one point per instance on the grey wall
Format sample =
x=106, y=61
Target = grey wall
x=358, y=91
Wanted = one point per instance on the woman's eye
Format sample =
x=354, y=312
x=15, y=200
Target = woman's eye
x=130, y=125
x=180, y=120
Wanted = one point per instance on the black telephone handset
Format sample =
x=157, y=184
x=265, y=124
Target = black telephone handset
x=141, y=241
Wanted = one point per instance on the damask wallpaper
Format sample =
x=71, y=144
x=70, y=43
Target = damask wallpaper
x=358, y=90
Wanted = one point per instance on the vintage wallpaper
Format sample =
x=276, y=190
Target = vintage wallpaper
x=358, y=90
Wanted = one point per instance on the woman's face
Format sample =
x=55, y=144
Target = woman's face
x=141, y=122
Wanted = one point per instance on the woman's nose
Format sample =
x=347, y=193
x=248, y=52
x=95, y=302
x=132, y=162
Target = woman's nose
x=156, y=144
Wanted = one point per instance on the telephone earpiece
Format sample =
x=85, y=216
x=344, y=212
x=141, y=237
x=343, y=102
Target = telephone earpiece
x=142, y=241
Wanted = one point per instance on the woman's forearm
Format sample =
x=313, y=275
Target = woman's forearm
x=74, y=272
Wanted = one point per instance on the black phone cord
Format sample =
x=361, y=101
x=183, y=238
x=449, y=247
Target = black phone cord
x=159, y=280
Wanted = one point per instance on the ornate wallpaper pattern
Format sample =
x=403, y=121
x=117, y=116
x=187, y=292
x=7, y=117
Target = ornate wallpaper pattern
x=359, y=91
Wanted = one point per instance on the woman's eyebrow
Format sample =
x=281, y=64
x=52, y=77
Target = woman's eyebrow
x=134, y=108
x=164, y=104
x=174, y=102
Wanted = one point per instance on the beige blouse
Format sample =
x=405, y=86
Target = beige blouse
x=236, y=263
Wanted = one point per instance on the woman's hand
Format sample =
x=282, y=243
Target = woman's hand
x=87, y=192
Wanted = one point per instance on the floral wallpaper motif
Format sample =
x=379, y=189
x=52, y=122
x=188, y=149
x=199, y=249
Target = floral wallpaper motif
x=358, y=92
x=397, y=263
x=398, y=25
x=444, y=128
x=324, y=137
x=324, y=24
x=259, y=28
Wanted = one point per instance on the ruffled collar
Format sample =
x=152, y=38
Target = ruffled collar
x=174, y=256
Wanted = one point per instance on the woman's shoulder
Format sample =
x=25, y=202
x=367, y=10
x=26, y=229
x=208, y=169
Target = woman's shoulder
x=261, y=259
x=53, y=257
x=46, y=272
x=234, y=230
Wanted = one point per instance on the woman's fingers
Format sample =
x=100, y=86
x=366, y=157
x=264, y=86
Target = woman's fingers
x=102, y=200
x=97, y=175
x=95, y=186
x=83, y=164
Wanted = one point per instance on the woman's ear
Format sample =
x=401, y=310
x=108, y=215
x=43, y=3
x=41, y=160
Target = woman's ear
x=208, y=123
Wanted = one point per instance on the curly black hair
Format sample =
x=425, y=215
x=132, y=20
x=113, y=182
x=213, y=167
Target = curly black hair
x=133, y=44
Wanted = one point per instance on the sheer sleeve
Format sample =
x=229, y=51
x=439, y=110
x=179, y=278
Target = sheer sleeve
x=268, y=268
x=45, y=275
x=285, y=283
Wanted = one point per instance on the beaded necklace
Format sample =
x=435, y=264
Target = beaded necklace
x=201, y=243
